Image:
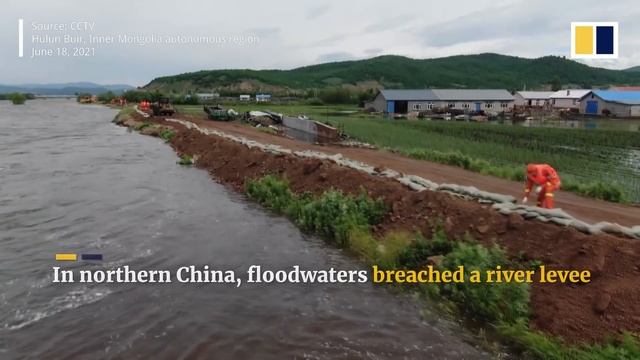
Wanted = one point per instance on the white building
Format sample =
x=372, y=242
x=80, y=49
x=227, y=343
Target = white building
x=245, y=97
x=207, y=96
x=263, y=97
x=532, y=98
x=465, y=100
x=568, y=98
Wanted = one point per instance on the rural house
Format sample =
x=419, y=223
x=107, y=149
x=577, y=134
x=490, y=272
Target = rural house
x=608, y=102
x=403, y=101
x=532, y=98
x=207, y=96
x=568, y=98
x=263, y=97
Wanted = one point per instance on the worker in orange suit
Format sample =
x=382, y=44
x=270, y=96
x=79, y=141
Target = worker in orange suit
x=547, y=179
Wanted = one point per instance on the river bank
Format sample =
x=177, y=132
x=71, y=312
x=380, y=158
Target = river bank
x=74, y=182
x=578, y=314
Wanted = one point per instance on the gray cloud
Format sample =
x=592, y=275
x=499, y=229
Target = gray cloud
x=318, y=11
x=293, y=33
x=373, y=52
x=336, y=56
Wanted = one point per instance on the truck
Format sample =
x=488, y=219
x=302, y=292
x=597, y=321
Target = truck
x=162, y=107
x=219, y=113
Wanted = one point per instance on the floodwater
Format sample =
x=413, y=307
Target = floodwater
x=70, y=181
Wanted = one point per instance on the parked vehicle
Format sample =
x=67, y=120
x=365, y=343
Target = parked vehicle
x=162, y=107
x=219, y=113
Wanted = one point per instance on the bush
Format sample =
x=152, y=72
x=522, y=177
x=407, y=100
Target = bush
x=498, y=302
x=167, y=134
x=186, y=160
x=106, y=97
x=272, y=193
x=333, y=215
x=17, y=98
x=415, y=255
x=390, y=249
x=336, y=95
x=314, y=101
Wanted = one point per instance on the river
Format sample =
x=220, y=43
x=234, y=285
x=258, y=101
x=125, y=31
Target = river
x=71, y=181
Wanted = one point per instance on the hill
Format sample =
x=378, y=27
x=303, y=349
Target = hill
x=64, y=89
x=633, y=69
x=470, y=71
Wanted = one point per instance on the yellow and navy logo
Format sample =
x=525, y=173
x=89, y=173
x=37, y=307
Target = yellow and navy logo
x=74, y=257
x=594, y=40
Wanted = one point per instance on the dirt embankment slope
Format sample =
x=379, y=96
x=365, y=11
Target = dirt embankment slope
x=607, y=305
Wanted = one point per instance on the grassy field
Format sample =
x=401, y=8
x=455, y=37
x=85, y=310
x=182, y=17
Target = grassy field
x=597, y=163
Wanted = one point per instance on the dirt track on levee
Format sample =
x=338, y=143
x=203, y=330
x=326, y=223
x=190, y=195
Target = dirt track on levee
x=589, y=312
x=585, y=209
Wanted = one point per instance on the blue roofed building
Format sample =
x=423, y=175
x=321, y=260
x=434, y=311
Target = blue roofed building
x=611, y=103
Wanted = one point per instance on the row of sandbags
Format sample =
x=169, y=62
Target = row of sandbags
x=505, y=204
x=144, y=114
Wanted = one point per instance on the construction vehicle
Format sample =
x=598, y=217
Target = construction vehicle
x=219, y=113
x=162, y=107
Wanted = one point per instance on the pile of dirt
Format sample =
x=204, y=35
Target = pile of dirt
x=587, y=312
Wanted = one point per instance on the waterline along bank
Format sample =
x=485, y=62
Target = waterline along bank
x=388, y=225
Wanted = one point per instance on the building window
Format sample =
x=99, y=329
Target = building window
x=488, y=105
x=505, y=105
x=417, y=107
x=465, y=106
x=430, y=106
x=452, y=105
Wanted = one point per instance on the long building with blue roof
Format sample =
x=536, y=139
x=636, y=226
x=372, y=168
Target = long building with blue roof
x=611, y=103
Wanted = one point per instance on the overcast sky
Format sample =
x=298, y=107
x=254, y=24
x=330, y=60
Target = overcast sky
x=294, y=33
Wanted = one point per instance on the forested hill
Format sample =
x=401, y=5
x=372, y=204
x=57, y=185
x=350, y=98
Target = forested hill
x=464, y=71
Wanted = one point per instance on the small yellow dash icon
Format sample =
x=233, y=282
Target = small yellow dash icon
x=66, y=257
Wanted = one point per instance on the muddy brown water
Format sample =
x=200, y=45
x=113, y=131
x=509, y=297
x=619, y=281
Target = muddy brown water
x=70, y=181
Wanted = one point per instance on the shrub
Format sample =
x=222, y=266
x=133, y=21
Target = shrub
x=185, y=160
x=272, y=193
x=499, y=302
x=107, y=97
x=17, y=98
x=336, y=95
x=415, y=255
x=167, y=134
x=334, y=215
x=314, y=101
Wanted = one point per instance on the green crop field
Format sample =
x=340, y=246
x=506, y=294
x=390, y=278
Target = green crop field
x=598, y=163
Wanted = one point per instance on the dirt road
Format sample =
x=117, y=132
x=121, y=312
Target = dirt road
x=585, y=209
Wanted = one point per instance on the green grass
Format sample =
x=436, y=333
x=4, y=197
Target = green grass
x=332, y=215
x=185, y=160
x=541, y=346
x=167, y=134
x=346, y=221
x=602, y=164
